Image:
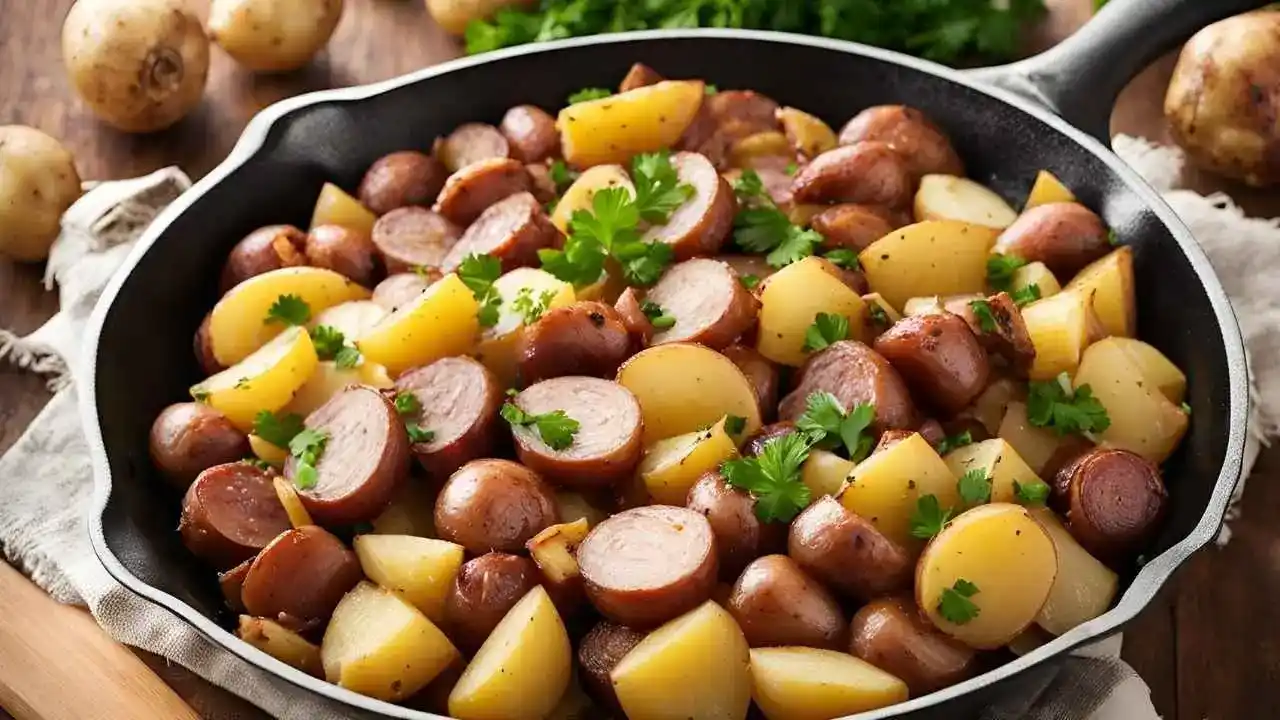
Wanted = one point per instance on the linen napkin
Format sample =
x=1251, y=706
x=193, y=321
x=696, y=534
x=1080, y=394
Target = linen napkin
x=46, y=483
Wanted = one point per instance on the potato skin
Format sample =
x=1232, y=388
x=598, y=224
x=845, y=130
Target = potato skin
x=1114, y=501
x=188, y=438
x=939, y=357
x=202, y=345
x=776, y=603
x=1064, y=236
x=346, y=251
x=38, y=182
x=270, y=36
x=867, y=172
x=268, y=248
x=740, y=535
x=494, y=505
x=484, y=589
x=922, y=144
x=585, y=338
x=298, y=579
x=891, y=634
x=847, y=552
x=400, y=179
x=852, y=226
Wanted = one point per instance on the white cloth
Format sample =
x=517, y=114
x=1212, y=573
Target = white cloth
x=46, y=483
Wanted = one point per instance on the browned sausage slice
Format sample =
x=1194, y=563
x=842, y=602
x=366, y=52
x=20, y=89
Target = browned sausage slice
x=847, y=552
x=939, y=357
x=413, y=237
x=365, y=457
x=893, y=635
x=471, y=189
x=584, y=338
x=460, y=399
x=1114, y=500
x=851, y=226
x=855, y=374
x=606, y=448
x=709, y=304
x=230, y=513
x=513, y=230
x=645, y=566
x=471, y=143
x=540, y=182
x=776, y=603
x=631, y=312
x=1064, y=236
x=741, y=536
x=401, y=289
x=762, y=374
x=299, y=578
x=739, y=113
x=484, y=589
x=232, y=581
x=345, y=251
x=401, y=179
x=701, y=225
x=1001, y=331
x=263, y=250
x=494, y=505
x=762, y=437
x=188, y=438
x=869, y=173
x=531, y=133
x=640, y=75
x=600, y=652
x=923, y=145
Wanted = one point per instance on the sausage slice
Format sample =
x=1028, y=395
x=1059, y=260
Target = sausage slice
x=855, y=374
x=460, y=399
x=923, y=145
x=868, y=173
x=701, y=225
x=741, y=536
x=413, y=237
x=762, y=437
x=762, y=374
x=776, y=603
x=852, y=226
x=1001, y=331
x=740, y=113
x=531, y=133
x=606, y=448
x=513, y=230
x=232, y=581
x=631, y=312
x=585, y=338
x=263, y=250
x=494, y=505
x=892, y=634
x=484, y=589
x=401, y=179
x=345, y=251
x=365, y=457
x=401, y=289
x=230, y=513
x=1064, y=236
x=847, y=552
x=599, y=653
x=1114, y=500
x=471, y=189
x=645, y=566
x=709, y=303
x=188, y=438
x=939, y=357
x=299, y=578
x=640, y=75
x=471, y=143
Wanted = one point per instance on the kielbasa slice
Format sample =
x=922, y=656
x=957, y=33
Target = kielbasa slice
x=365, y=457
x=299, y=578
x=188, y=438
x=741, y=536
x=263, y=250
x=631, y=312
x=740, y=113
x=599, y=653
x=540, y=183
x=701, y=225
x=922, y=144
x=640, y=75
x=230, y=513
x=531, y=133
x=776, y=603
x=401, y=179
x=762, y=437
x=459, y=400
x=471, y=143
x=851, y=226
x=762, y=374
x=1064, y=236
x=345, y=251
x=484, y=589
x=939, y=357
x=494, y=505
x=892, y=634
x=869, y=173
x=645, y=566
x=513, y=230
x=855, y=374
x=847, y=552
x=469, y=190
x=710, y=305
x=606, y=448
x=1114, y=501
x=401, y=289
x=413, y=237
x=1003, y=334
x=584, y=338
x=232, y=581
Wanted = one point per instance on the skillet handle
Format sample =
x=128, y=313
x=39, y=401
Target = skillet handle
x=1081, y=77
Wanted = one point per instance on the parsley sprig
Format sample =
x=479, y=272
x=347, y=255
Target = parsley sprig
x=773, y=477
x=929, y=517
x=478, y=273
x=408, y=405
x=562, y=175
x=307, y=447
x=1000, y=269
x=660, y=319
x=555, y=428
x=331, y=344
x=529, y=307
x=279, y=430
x=1025, y=295
x=843, y=257
x=974, y=487
x=985, y=317
x=952, y=442
x=289, y=310
x=828, y=425
x=589, y=93
x=760, y=227
x=1032, y=492
x=827, y=328
x=1053, y=404
x=955, y=605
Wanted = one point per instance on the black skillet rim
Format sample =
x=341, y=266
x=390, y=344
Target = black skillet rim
x=1140, y=592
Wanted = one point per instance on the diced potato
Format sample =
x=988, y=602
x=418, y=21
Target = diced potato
x=926, y=305
x=803, y=683
x=579, y=195
x=571, y=506
x=935, y=257
x=298, y=515
x=411, y=511
x=353, y=319
x=265, y=380
x=1048, y=189
x=328, y=380
x=522, y=669
x=682, y=387
x=809, y=135
x=613, y=129
x=790, y=301
x=1157, y=370
x=272, y=455
x=1030, y=639
x=705, y=645
x=420, y=570
x=671, y=466
x=990, y=406
x=440, y=322
x=1038, y=274
x=997, y=459
x=1110, y=279
x=1001, y=549
x=1059, y=330
x=335, y=207
x=824, y=473
x=946, y=197
x=552, y=550
x=1142, y=418
x=497, y=348
x=238, y=324
x=378, y=645
x=1084, y=587
x=1033, y=444
x=884, y=488
x=770, y=143
x=280, y=643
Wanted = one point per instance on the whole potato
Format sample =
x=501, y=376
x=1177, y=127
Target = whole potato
x=140, y=65
x=273, y=35
x=453, y=15
x=38, y=182
x=1221, y=100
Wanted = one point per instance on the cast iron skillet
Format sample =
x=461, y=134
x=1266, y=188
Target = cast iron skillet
x=140, y=357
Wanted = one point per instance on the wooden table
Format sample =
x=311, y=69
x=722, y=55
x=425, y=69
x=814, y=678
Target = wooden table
x=1208, y=647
